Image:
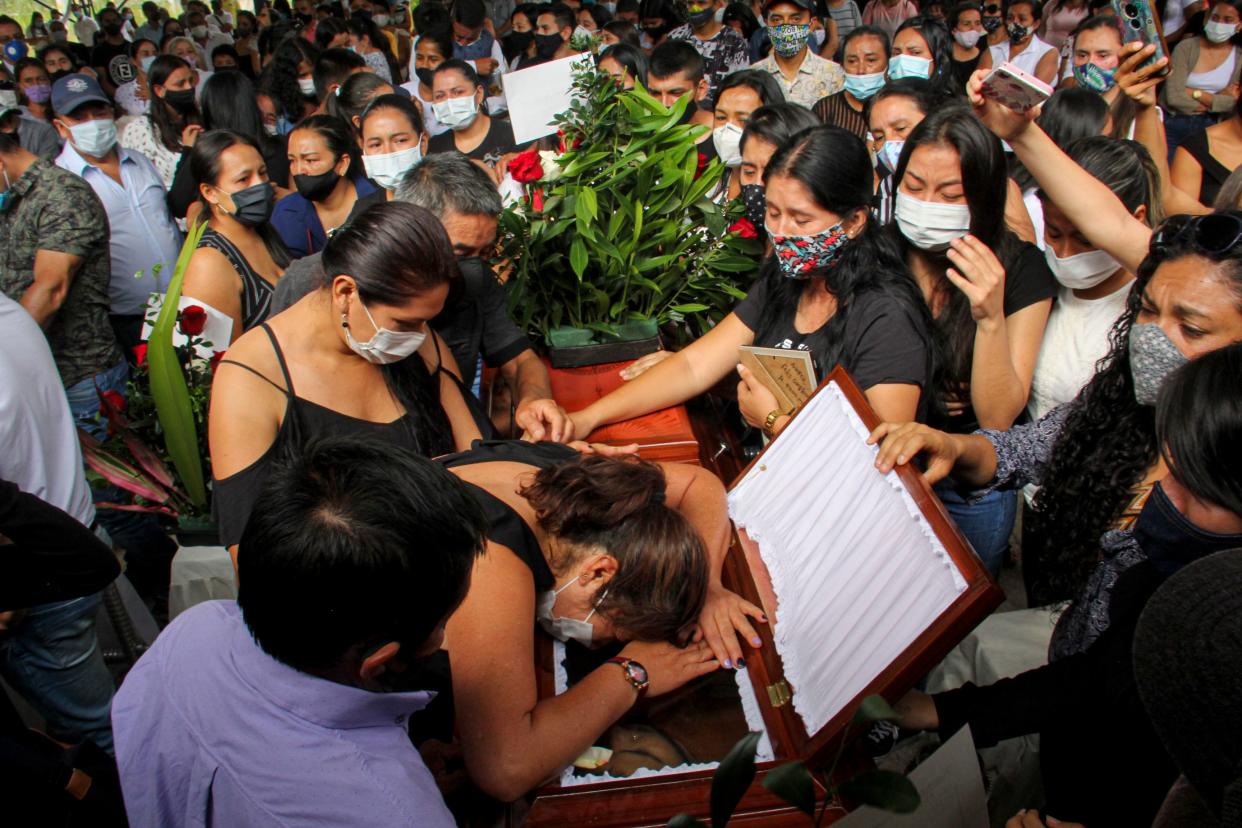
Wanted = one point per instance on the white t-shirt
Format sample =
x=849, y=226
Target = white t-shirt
x=1026, y=60
x=38, y=440
x=1075, y=338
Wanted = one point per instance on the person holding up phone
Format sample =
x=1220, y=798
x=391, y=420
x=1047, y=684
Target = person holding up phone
x=1203, y=75
x=1024, y=49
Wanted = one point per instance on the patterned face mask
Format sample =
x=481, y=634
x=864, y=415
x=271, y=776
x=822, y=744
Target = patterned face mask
x=1095, y=77
x=799, y=255
x=790, y=38
x=755, y=200
x=1153, y=356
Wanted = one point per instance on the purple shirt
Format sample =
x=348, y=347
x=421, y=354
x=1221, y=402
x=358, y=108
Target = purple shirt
x=212, y=731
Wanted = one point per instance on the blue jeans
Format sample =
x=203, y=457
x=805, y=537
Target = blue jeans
x=84, y=398
x=52, y=659
x=1178, y=128
x=985, y=524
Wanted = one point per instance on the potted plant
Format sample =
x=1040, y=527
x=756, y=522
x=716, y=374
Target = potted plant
x=156, y=445
x=616, y=236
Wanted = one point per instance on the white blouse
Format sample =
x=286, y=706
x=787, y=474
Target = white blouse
x=140, y=135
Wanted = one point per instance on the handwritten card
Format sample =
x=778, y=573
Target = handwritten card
x=788, y=374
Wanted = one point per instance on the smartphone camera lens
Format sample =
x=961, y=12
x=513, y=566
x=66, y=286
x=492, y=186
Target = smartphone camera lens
x=1131, y=10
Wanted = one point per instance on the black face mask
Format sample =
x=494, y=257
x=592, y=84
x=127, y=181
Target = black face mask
x=425, y=75
x=302, y=18
x=1169, y=540
x=112, y=29
x=181, y=100
x=756, y=202
x=60, y=73
x=991, y=24
x=516, y=43
x=316, y=187
x=700, y=18
x=655, y=32
x=253, y=205
x=546, y=45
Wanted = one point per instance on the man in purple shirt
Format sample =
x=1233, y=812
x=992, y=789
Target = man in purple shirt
x=282, y=708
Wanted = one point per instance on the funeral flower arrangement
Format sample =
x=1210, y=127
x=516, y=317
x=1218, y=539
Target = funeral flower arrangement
x=156, y=445
x=617, y=231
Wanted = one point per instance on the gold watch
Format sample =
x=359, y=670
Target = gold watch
x=770, y=422
x=1197, y=94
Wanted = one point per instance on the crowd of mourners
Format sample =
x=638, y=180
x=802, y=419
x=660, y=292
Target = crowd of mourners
x=1044, y=309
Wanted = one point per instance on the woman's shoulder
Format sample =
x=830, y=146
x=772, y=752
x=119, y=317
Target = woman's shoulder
x=254, y=350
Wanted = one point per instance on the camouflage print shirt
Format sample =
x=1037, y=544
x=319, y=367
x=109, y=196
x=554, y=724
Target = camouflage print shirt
x=53, y=209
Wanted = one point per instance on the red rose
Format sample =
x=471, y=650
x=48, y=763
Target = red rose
x=216, y=356
x=111, y=402
x=700, y=166
x=192, y=320
x=140, y=353
x=744, y=228
x=525, y=167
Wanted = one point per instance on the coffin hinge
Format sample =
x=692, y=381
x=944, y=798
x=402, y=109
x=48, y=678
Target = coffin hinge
x=779, y=694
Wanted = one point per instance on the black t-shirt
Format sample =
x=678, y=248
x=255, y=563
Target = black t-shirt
x=476, y=320
x=497, y=142
x=882, y=341
x=115, y=60
x=1027, y=281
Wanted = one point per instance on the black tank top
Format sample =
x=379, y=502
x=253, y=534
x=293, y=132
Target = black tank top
x=256, y=297
x=234, y=496
x=505, y=526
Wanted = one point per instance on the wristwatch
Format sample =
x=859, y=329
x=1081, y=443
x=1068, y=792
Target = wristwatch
x=635, y=673
x=770, y=422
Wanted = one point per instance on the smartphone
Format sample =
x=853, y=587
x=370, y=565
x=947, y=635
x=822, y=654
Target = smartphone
x=1015, y=88
x=1140, y=22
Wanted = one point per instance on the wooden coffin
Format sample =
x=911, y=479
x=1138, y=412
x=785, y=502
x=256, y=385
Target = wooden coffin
x=652, y=800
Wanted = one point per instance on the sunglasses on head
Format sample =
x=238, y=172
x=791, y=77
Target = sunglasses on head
x=1214, y=234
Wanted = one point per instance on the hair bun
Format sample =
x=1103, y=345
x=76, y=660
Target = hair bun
x=590, y=494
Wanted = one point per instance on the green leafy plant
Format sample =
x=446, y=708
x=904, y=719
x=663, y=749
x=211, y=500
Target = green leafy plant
x=617, y=231
x=794, y=783
x=156, y=448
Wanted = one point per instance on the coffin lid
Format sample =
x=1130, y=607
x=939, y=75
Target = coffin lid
x=748, y=576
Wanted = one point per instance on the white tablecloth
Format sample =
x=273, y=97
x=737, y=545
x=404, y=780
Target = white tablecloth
x=200, y=573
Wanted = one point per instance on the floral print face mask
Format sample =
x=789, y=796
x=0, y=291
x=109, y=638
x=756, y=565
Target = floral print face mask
x=799, y=255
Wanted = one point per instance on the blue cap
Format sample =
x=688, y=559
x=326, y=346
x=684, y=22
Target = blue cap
x=72, y=91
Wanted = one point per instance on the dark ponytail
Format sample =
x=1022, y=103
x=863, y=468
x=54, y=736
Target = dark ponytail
x=393, y=252
x=617, y=505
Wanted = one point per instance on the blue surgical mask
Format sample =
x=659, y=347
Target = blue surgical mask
x=863, y=87
x=909, y=66
x=146, y=63
x=95, y=137
x=890, y=153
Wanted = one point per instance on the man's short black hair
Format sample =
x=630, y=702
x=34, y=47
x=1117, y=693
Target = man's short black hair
x=565, y=17
x=353, y=543
x=673, y=56
x=469, y=13
x=332, y=67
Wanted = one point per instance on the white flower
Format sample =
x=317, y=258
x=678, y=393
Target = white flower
x=548, y=159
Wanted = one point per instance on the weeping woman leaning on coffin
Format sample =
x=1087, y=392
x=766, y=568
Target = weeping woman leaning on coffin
x=596, y=549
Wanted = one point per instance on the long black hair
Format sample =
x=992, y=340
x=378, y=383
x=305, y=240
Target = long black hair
x=835, y=168
x=359, y=26
x=205, y=168
x=1108, y=441
x=1070, y=114
x=281, y=75
x=395, y=251
x=167, y=121
x=353, y=96
x=984, y=183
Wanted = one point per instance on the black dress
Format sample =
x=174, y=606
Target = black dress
x=1214, y=172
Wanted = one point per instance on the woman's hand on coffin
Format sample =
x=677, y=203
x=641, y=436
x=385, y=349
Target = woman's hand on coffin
x=603, y=449
x=1030, y=819
x=902, y=442
x=726, y=616
x=754, y=399
x=636, y=368
x=668, y=666
x=917, y=711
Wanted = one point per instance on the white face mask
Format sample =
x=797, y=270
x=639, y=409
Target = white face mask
x=388, y=169
x=565, y=629
x=380, y=19
x=271, y=129
x=967, y=40
x=307, y=86
x=1086, y=270
x=1218, y=32
x=582, y=31
x=456, y=113
x=198, y=32
x=728, y=141
x=930, y=225
x=719, y=14
x=95, y=137
x=385, y=346
x=890, y=152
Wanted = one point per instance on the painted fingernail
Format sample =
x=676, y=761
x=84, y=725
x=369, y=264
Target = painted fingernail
x=757, y=641
x=741, y=662
x=728, y=664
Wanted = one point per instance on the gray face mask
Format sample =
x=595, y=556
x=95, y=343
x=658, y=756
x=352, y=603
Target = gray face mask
x=565, y=629
x=1153, y=356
